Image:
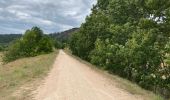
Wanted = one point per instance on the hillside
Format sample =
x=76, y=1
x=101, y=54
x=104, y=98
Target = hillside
x=63, y=36
x=7, y=38
x=60, y=38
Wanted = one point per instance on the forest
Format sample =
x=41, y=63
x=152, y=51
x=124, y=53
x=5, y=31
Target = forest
x=60, y=39
x=34, y=42
x=6, y=39
x=129, y=38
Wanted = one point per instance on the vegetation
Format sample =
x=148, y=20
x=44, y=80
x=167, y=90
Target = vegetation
x=32, y=43
x=61, y=39
x=129, y=38
x=120, y=82
x=6, y=39
x=22, y=75
x=18, y=78
x=3, y=47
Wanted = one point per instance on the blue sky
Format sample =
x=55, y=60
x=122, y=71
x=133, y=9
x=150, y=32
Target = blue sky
x=50, y=15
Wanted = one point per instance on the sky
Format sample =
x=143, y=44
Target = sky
x=50, y=15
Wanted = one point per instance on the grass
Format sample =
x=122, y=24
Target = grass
x=135, y=89
x=1, y=62
x=19, y=77
x=122, y=83
x=168, y=60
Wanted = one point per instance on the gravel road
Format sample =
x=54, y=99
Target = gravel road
x=70, y=79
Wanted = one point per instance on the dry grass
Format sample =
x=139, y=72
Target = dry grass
x=1, y=62
x=18, y=78
x=122, y=83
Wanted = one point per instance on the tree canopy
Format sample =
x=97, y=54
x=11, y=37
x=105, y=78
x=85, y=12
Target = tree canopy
x=129, y=38
x=32, y=43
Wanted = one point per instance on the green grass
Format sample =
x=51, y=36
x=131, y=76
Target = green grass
x=122, y=83
x=18, y=77
x=168, y=60
x=134, y=88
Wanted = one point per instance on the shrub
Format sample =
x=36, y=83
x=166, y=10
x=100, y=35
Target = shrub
x=32, y=43
x=129, y=38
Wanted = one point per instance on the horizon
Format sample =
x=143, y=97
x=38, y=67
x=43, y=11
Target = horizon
x=42, y=30
x=51, y=16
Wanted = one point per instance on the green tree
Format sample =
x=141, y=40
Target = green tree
x=32, y=43
x=129, y=38
x=96, y=25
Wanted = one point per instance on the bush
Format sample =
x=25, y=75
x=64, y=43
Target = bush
x=32, y=43
x=129, y=38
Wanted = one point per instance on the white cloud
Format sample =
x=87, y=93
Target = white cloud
x=1, y=9
x=70, y=13
x=25, y=17
x=51, y=15
x=13, y=30
x=16, y=7
x=43, y=21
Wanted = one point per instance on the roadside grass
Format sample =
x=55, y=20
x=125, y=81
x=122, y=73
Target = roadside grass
x=18, y=78
x=1, y=62
x=120, y=82
x=168, y=60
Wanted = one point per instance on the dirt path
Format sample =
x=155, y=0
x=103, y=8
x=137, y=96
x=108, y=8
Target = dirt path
x=71, y=80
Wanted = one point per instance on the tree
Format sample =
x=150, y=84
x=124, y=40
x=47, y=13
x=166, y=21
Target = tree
x=129, y=38
x=96, y=25
x=32, y=43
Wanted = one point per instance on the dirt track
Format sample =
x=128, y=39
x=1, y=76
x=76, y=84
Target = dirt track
x=72, y=80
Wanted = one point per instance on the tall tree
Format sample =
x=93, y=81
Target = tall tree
x=129, y=38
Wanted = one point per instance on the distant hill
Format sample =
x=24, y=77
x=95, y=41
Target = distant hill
x=63, y=36
x=7, y=38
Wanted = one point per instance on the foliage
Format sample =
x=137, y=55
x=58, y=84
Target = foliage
x=7, y=38
x=129, y=38
x=3, y=47
x=58, y=44
x=32, y=43
x=96, y=26
x=61, y=39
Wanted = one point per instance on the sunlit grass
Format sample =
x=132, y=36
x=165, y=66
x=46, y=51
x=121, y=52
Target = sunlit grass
x=21, y=72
